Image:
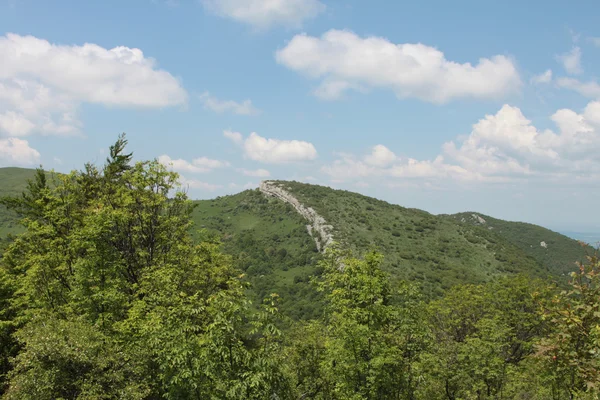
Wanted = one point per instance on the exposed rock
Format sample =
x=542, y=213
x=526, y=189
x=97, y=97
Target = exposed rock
x=478, y=219
x=317, y=229
x=543, y=244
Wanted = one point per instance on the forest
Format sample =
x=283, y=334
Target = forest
x=110, y=292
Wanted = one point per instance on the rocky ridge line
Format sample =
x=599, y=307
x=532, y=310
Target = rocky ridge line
x=318, y=228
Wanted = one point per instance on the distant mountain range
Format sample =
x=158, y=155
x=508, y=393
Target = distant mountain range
x=276, y=235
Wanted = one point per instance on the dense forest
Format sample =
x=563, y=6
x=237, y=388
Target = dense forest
x=110, y=292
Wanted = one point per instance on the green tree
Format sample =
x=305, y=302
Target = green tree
x=369, y=345
x=483, y=333
x=570, y=355
x=112, y=299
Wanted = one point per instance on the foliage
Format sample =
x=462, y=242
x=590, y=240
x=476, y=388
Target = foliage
x=571, y=354
x=436, y=252
x=559, y=253
x=110, y=298
x=110, y=292
x=365, y=347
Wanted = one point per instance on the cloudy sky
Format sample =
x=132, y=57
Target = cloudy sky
x=443, y=106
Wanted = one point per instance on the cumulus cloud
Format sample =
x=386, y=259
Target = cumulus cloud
x=223, y=106
x=198, y=165
x=380, y=156
x=14, y=151
x=42, y=84
x=264, y=14
x=590, y=89
x=501, y=147
x=349, y=167
x=272, y=151
x=544, y=77
x=275, y=151
x=345, y=61
x=246, y=186
x=571, y=61
x=196, y=184
x=235, y=137
x=257, y=173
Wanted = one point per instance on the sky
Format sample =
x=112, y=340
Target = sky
x=480, y=106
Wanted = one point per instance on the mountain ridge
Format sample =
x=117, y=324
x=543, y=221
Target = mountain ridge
x=275, y=235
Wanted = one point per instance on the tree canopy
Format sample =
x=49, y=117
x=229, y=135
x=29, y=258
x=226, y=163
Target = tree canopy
x=108, y=294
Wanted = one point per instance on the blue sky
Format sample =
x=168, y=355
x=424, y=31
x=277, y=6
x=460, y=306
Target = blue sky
x=443, y=106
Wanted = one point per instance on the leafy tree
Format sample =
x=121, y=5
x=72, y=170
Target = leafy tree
x=369, y=345
x=571, y=353
x=482, y=335
x=112, y=299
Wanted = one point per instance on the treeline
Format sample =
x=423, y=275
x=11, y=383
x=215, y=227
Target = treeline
x=106, y=296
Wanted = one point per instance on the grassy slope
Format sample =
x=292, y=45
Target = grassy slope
x=268, y=240
x=12, y=182
x=435, y=250
x=559, y=254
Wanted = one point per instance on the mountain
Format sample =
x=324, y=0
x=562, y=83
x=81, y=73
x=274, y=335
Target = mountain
x=549, y=248
x=276, y=235
x=13, y=181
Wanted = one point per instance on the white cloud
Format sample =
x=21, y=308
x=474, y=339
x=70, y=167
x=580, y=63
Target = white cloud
x=196, y=184
x=344, y=61
x=380, y=156
x=257, y=173
x=571, y=61
x=501, y=147
x=275, y=151
x=263, y=14
x=544, y=77
x=44, y=83
x=198, y=165
x=14, y=151
x=589, y=89
x=222, y=106
x=15, y=124
x=235, y=137
x=246, y=186
x=209, y=163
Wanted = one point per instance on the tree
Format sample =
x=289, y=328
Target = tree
x=369, y=345
x=483, y=333
x=570, y=355
x=112, y=299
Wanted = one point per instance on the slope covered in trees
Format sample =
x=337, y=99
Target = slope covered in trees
x=13, y=181
x=106, y=294
x=435, y=251
x=550, y=248
x=269, y=241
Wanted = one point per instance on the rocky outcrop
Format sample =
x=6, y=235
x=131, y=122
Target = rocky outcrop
x=317, y=228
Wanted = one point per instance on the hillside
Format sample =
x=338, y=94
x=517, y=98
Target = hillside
x=268, y=240
x=436, y=251
x=550, y=248
x=12, y=183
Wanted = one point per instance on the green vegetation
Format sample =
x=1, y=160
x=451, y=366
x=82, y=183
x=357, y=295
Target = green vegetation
x=109, y=292
x=267, y=240
x=558, y=252
x=14, y=182
x=437, y=252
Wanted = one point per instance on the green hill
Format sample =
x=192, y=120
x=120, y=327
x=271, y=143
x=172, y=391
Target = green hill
x=268, y=240
x=554, y=250
x=13, y=181
x=436, y=251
